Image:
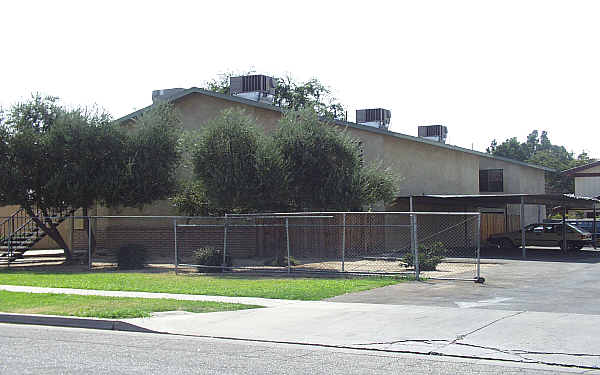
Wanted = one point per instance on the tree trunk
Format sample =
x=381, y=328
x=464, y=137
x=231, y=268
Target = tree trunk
x=53, y=233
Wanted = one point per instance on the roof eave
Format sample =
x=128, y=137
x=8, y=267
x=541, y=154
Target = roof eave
x=574, y=170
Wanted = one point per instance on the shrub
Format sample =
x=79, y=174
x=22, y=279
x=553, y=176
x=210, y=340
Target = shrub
x=429, y=256
x=131, y=257
x=210, y=256
x=281, y=261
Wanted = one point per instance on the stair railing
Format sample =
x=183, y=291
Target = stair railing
x=7, y=226
x=21, y=223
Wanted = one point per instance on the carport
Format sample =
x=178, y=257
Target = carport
x=501, y=201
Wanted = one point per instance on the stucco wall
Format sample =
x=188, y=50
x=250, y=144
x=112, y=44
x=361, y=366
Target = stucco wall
x=518, y=179
x=196, y=109
x=422, y=168
x=427, y=169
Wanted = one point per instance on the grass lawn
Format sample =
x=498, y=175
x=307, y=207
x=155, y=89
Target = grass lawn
x=103, y=307
x=309, y=289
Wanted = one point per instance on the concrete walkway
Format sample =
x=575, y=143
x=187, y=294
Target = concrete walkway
x=537, y=337
x=267, y=302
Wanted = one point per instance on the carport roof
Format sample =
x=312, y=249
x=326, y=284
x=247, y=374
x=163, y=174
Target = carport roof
x=570, y=201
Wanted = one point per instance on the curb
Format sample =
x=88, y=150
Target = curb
x=72, y=322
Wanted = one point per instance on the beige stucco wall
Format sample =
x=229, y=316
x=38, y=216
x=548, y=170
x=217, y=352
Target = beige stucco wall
x=422, y=168
x=427, y=169
x=196, y=109
x=519, y=179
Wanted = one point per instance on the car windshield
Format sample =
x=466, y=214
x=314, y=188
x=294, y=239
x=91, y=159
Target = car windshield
x=587, y=225
x=577, y=229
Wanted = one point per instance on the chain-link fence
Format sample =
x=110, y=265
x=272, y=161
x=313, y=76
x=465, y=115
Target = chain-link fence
x=446, y=244
x=431, y=245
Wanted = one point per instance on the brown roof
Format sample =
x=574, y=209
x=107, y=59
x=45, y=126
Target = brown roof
x=571, y=171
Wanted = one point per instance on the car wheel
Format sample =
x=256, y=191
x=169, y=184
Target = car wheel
x=561, y=245
x=570, y=246
x=505, y=243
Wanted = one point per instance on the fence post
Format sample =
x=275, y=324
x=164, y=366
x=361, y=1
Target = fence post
x=10, y=235
x=594, y=228
x=89, y=243
x=343, y=241
x=224, y=244
x=287, y=236
x=479, y=247
x=175, y=244
x=415, y=244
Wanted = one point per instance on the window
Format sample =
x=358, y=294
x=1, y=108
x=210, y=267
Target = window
x=491, y=180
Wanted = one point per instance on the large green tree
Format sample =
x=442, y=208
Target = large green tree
x=324, y=168
x=538, y=150
x=306, y=164
x=56, y=159
x=292, y=94
x=235, y=166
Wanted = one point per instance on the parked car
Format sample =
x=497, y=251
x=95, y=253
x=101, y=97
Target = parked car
x=544, y=235
x=586, y=225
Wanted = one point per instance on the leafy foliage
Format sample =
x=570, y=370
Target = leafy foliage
x=291, y=94
x=55, y=158
x=323, y=166
x=210, y=256
x=305, y=165
x=311, y=94
x=191, y=200
x=145, y=169
x=538, y=149
x=234, y=167
x=131, y=257
x=429, y=256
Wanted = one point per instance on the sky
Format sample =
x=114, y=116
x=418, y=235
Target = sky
x=485, y=69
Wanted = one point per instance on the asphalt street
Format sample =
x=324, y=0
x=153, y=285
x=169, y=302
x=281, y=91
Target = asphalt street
x=548, y=281
x=53, y=350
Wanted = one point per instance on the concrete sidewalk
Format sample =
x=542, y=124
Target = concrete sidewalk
x=267, y=302
x=565, y=339
x=537, y=337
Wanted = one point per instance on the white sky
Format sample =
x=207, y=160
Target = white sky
x=485, y=69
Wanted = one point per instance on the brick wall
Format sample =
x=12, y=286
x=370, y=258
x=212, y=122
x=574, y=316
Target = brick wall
x=160, y=241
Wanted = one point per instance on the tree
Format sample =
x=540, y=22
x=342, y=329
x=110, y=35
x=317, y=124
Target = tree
x=511, y=148
x=291, y=94
x=146, y=166
x=58, y=159
x=540, y=151
x=234, y=165
x=306, y=164
x=323, y=166
x=311, y=94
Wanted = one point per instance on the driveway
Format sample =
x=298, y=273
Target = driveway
x=548, y=281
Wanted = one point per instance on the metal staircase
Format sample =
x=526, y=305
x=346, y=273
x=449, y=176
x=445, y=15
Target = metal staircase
x=19, y=232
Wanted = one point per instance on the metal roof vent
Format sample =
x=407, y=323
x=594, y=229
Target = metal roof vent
x=257, y=87
x=434, y=132
x=377, y=117
x=164, y=94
